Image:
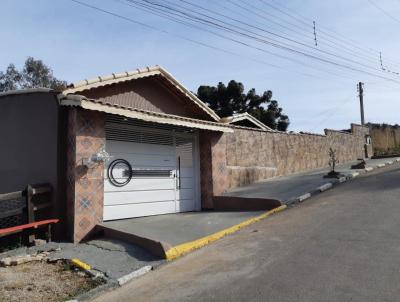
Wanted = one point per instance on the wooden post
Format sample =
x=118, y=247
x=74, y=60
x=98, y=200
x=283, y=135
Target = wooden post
x=31, y=211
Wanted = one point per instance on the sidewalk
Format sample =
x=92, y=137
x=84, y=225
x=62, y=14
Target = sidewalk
x=298, y=187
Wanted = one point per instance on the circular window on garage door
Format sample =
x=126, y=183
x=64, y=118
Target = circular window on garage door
x=119, y=172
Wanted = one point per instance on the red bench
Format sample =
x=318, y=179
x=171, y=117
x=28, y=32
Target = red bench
x=32, y=225
x=30, y=208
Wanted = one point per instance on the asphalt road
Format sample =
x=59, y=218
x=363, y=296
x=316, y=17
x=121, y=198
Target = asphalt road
x=342, y=245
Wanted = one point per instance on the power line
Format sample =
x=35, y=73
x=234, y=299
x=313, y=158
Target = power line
x=183, y=37
x=387, y=14
x=214, y=22
x=203, y=44
x=330, y=43
x=331, y=112
x=160, y=12
x=271, y=33
x=337, y=36
x=280, y=25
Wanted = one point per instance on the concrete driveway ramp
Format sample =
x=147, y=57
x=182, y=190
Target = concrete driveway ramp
x=154, y=246
x=235, y=203
x=172, y=235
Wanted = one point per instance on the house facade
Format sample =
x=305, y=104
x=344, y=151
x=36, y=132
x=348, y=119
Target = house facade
x=139, y=143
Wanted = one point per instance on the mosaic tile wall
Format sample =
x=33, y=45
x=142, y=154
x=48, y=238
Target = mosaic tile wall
x=86, y=136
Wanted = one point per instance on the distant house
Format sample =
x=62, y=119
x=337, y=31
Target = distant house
x=244, y=120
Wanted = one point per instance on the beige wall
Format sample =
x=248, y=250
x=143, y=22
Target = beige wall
x=385, y=139
x=252, y=155
x=31, y=139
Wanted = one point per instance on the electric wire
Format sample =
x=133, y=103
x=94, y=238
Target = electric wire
x=250, y=35
x=387, y=14
x=339, y=37
x=259, y=12
x=161, y=13
x=153, y=28
x=329, y=113
x=185, y=38
x=279, y=36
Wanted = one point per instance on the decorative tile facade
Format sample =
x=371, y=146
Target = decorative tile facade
x=86, y=136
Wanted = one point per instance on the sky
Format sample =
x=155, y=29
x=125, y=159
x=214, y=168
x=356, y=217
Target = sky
x=79, y=42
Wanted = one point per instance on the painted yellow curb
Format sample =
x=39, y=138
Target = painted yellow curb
x=184, y=248
x=80, y=264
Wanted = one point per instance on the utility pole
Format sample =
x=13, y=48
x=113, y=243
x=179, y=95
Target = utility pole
x=360, y=87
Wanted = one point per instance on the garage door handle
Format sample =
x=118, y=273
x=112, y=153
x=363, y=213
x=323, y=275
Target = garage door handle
x=178, y=179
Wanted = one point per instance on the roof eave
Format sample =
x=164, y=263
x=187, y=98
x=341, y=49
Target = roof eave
x=81, y=101
x=27, y=91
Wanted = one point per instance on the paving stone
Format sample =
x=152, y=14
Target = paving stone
x=39, y=242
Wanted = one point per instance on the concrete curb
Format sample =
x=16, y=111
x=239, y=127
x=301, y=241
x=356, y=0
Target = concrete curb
x=333, y=183
x=135, y=274
x=111, y=284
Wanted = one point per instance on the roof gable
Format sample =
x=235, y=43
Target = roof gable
x=87, y=87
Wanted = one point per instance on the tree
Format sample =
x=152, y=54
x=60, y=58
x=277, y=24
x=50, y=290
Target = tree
x=34, y=74
x=230, y=99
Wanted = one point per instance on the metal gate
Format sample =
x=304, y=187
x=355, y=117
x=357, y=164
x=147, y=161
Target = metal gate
x=152, y=170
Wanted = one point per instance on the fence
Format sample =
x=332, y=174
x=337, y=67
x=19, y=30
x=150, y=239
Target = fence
x=21, y=207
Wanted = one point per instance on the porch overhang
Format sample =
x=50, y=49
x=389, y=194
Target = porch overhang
x=148, y=116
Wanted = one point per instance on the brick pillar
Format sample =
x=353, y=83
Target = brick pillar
x=206, y=182
x=85, y=193
x=213, y=172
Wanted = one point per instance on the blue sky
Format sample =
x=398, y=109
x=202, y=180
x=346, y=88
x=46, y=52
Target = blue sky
x=79, y=42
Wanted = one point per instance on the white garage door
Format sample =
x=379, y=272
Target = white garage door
x=151, y=172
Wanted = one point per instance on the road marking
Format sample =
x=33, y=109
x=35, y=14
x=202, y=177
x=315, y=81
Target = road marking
x=184, y=248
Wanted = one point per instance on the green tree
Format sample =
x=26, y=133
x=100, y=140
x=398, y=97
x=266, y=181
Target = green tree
x=230, y=99
x=34, y=74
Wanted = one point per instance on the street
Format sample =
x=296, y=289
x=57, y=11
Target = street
x=342, y=245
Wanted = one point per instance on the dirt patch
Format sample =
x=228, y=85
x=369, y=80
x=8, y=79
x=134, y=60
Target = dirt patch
x=41, y=281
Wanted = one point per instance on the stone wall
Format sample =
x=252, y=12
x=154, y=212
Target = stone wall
x=86, y=136
x=253, y=155
x=385, y=139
